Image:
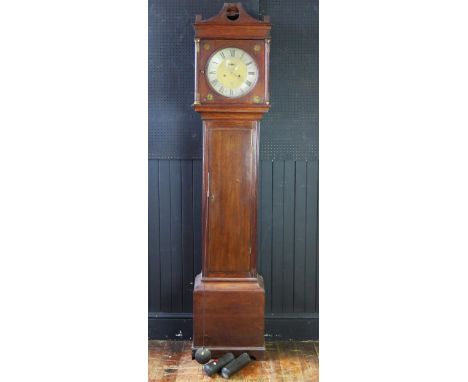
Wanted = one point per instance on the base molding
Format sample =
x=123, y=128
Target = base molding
x=279, y=327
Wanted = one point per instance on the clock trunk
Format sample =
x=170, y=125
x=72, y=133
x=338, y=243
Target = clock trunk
x=230, y=158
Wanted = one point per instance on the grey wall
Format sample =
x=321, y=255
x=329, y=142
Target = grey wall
x=288, y=258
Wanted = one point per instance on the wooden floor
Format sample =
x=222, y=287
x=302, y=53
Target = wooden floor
x=284, y=361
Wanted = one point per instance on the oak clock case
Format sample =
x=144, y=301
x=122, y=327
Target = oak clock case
x=231, y=95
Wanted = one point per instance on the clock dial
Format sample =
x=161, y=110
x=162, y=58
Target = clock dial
x=232, y=72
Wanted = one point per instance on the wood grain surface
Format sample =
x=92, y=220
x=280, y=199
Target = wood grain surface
x=229, y=315
x=229, y=199
x=284, y=362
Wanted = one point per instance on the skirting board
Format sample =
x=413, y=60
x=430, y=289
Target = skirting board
x=178, y=326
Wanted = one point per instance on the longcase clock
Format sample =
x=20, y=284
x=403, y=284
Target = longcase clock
x=231, y=95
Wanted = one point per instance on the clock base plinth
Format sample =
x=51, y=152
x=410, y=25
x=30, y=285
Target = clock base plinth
x=230, y=315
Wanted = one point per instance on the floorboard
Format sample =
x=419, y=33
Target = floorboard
x=285, y=361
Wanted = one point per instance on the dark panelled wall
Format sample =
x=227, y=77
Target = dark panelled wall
x=288, y=257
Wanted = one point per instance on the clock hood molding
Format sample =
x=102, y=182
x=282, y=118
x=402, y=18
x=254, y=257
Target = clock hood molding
x=228, y=20
x=239, y=112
